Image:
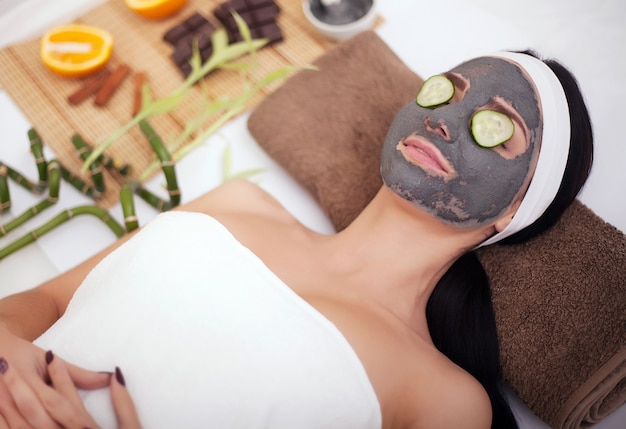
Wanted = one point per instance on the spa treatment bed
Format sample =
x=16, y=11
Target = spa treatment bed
x=563, y=332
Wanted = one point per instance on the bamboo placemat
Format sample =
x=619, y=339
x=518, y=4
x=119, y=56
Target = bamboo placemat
x=42, y=96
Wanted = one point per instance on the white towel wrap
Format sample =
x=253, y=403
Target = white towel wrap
x=208, y=337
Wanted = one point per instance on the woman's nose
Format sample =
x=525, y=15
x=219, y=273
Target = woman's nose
x=440, y=128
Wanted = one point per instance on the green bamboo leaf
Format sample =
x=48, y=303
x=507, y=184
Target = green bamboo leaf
x=146, y=95
x=246, y=174
x=116, y=135
x=243, y=28
x=230, y=53
x=163, y=105
x=219, y=39
x=196, y=59
x=275, y=75
x=190, y=127
x=227, y=162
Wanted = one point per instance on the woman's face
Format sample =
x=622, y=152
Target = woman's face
x=431, y=159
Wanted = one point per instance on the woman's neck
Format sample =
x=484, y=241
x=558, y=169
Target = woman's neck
x=395, y=254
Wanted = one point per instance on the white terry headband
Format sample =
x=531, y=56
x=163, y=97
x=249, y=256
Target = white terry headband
x=554, y=148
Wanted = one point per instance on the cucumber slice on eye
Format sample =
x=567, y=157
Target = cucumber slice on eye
x=435, y=91
x=491, y=128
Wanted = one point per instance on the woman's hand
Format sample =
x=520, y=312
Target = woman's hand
x=57, y=404
x=28, y=396
x=68, y=409
x=25, y=382
x=123, y=404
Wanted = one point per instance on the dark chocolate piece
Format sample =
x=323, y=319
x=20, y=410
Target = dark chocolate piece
x=237, y=5
x=195, y=21
x=259, y=15
x=256, y=13
x=182, y=54
x=252, y=4
x=264, y=15
x=185, y=69
x=174, y=34
x=271, y=32
x=204, y=42
x=206, y=53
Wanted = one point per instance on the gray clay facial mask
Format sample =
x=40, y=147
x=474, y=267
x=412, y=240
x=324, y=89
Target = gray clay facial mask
x=446, y=172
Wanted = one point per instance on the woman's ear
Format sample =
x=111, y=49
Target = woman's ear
x=506, y=218
x=504, y=221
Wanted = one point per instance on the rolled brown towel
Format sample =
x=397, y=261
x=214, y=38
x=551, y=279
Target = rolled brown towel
x=335, y=117
x=560, y=299
x=560, y=303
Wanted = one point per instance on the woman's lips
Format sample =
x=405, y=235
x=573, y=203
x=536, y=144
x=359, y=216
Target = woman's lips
x=425, y=155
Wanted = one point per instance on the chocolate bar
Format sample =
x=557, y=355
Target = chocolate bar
x=196, y=28
x=259, y=15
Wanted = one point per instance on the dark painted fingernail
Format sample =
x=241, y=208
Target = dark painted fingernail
x=49, y=357
x=4, y=365
x=119, y=377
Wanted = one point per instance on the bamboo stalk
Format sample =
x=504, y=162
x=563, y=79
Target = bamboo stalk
x=19, y=178
x=77, y=183
x=36, y=148
x=167, y=164
x=84, y=149
x=54, y=177
x=95, y=169
x=61, y=218
x=114, y=165
x=128, y=206
x=5, y=194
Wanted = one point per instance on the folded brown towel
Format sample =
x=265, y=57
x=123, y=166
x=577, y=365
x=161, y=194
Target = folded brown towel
x=560, y=299
x=335, y=117
x=560, y=304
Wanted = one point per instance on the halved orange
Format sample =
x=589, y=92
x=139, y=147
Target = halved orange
x=155, y=9
x=75, y=50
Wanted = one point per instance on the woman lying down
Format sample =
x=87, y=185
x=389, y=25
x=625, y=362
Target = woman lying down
x=229, y=313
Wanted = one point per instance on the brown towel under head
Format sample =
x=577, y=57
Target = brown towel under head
x=560, y=299
x=560, y=304
x=321, y=121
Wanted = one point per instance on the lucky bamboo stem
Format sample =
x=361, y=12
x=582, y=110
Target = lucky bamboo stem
x=54, y=177
x=79, y=184
x=19, y=178
x=167, y=164
x=84, y=149
x=61, y=218
x=95, y=169
x=128, y=206
x=36, y=148
x=5, y=194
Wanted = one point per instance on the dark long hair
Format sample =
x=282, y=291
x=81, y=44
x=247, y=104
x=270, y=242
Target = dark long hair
x=460, y=314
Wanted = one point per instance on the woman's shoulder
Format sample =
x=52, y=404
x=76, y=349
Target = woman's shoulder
x=417, y=385
x=442, y=395
x=238, y=197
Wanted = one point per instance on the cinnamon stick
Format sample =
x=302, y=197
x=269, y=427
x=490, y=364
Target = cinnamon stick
x=111, y=84
x=89, y=87
x=140, y=79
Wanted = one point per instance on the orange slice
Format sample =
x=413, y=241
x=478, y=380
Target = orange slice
x=155, y=9
x=75, y=50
